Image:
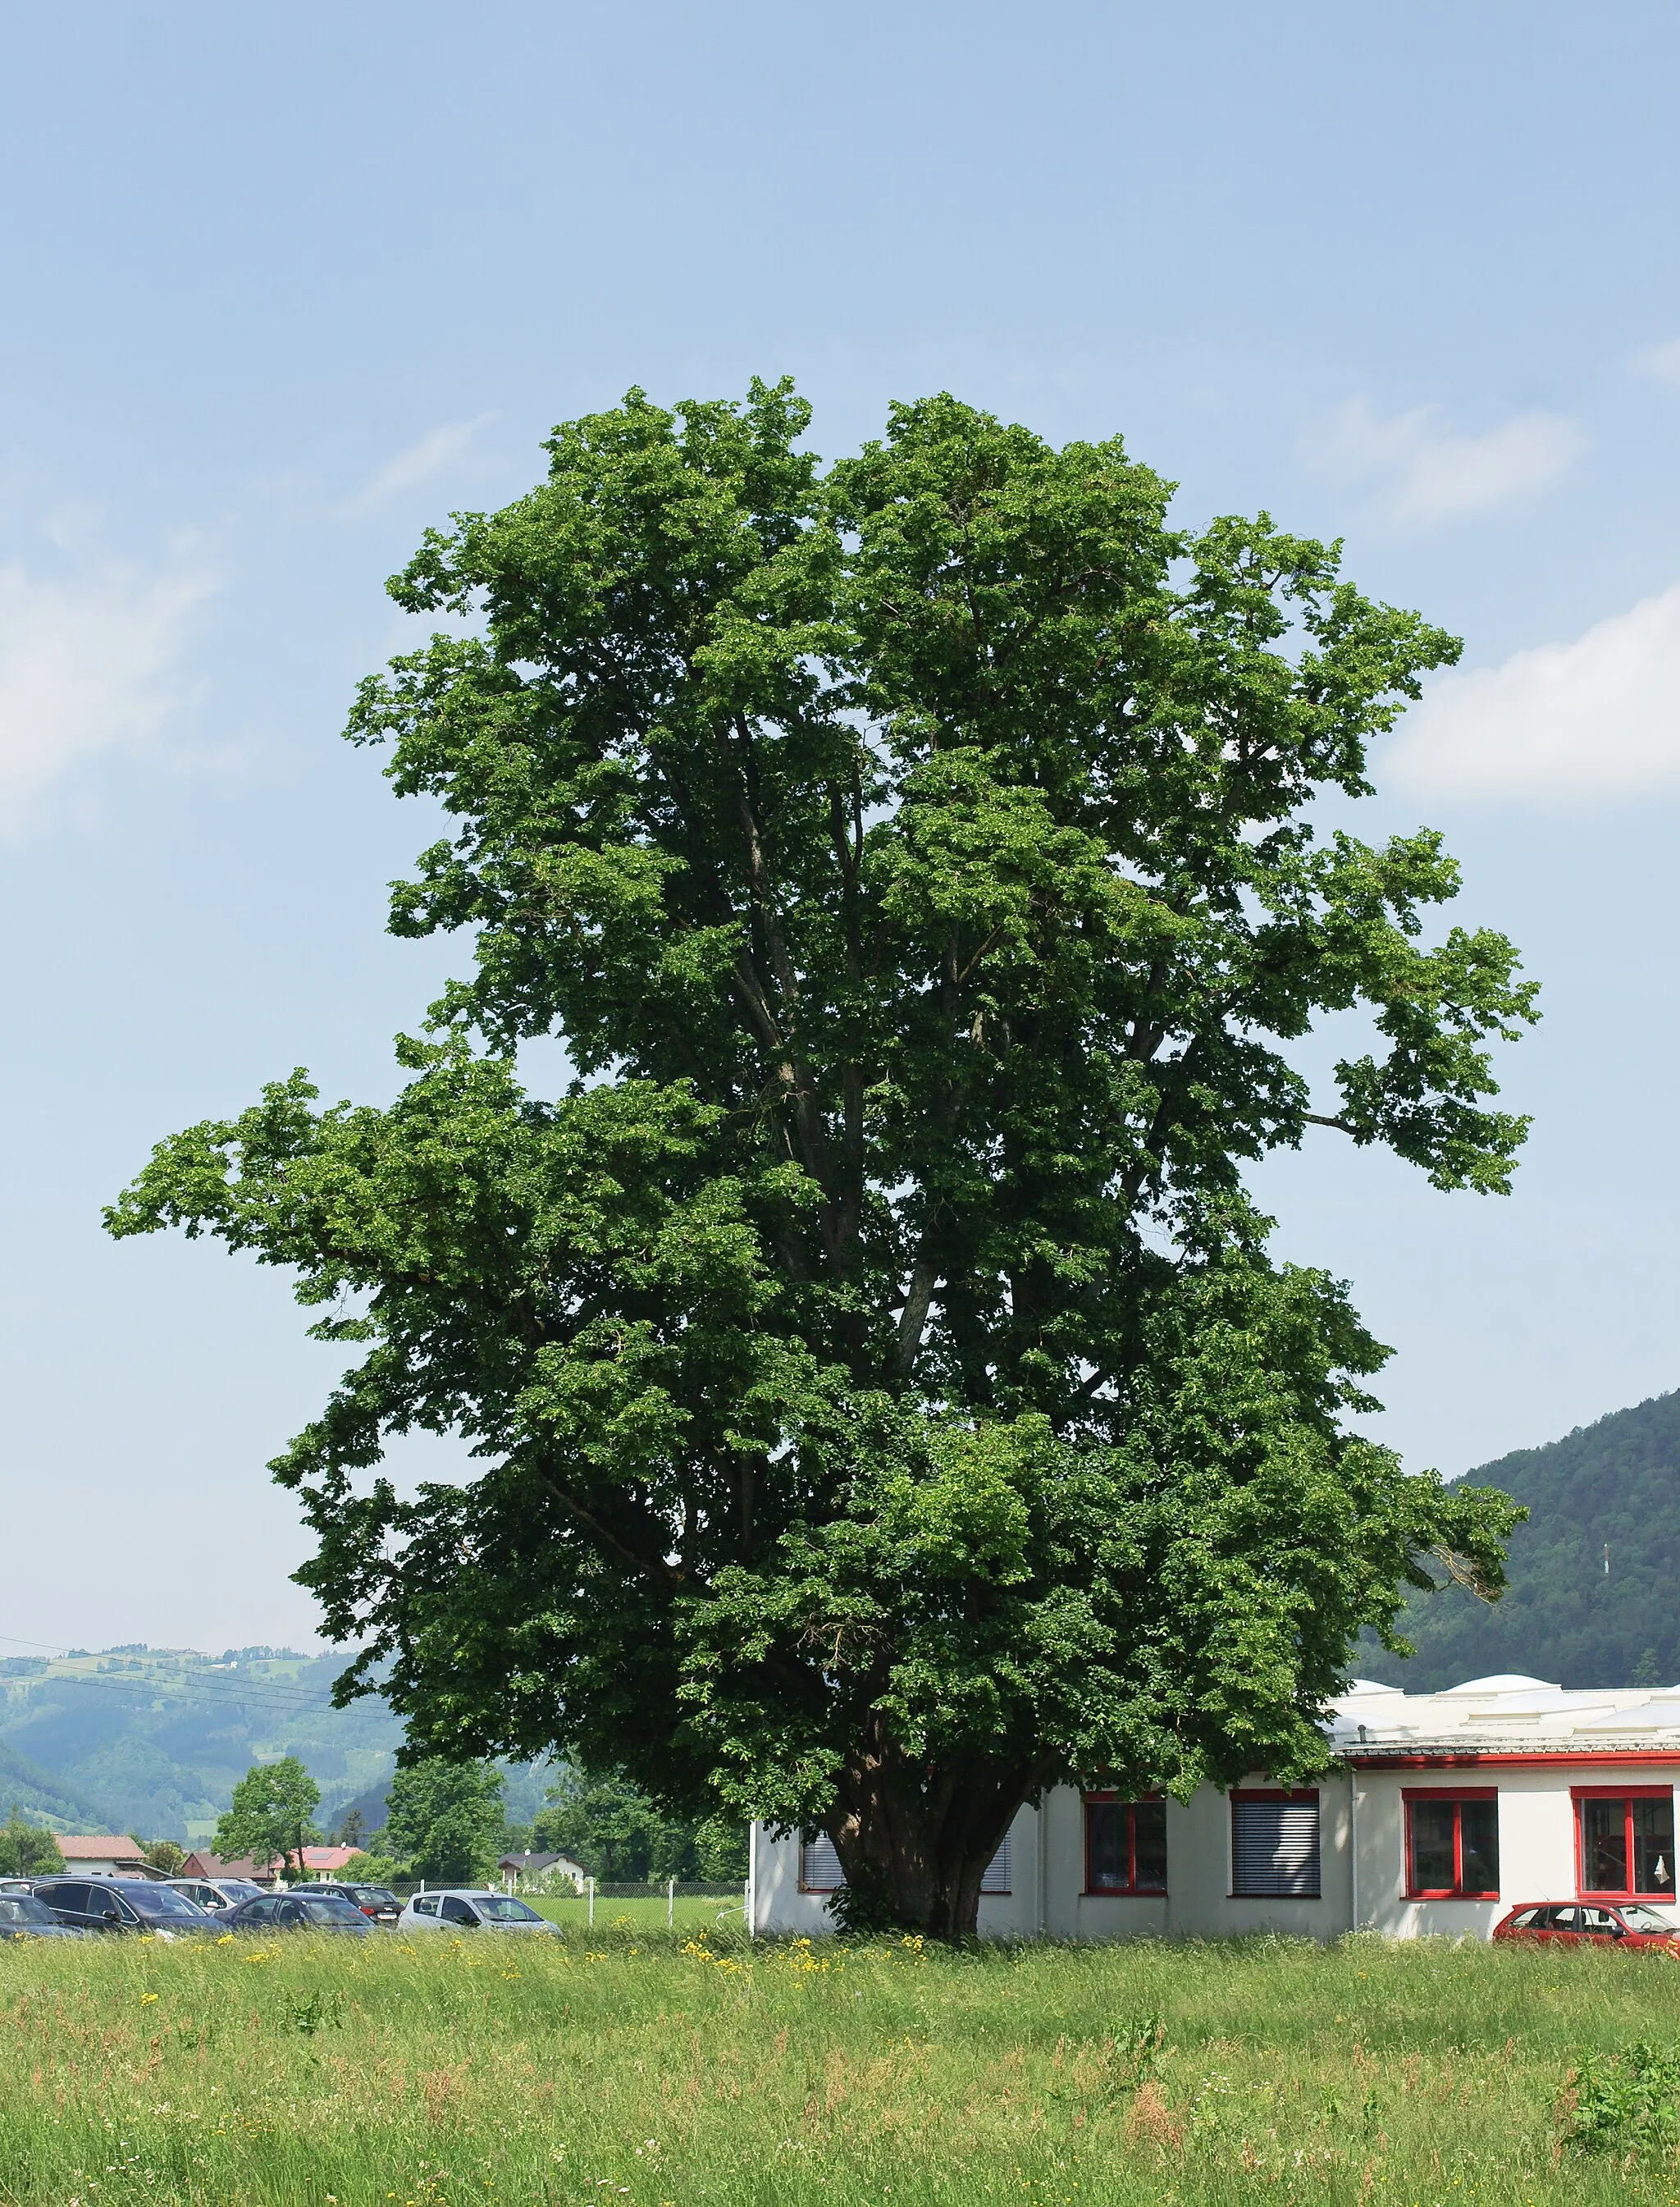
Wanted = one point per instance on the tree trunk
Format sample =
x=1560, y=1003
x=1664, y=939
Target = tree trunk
x=915, y=1841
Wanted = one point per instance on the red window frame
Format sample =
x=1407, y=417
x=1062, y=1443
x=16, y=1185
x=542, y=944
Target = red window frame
x=1132, y=1890
x=1628, y=1794
x=1456, y=1794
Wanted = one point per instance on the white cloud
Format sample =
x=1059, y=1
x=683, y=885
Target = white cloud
x=1599, y=717
x=1660, y=361
x=417, y=462
x=88, y=665
x=1424, y=473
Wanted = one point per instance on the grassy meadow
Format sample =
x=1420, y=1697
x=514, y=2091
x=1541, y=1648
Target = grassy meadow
x=635, y=2069
x=693, y=1915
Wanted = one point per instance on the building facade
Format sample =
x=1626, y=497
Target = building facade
x=103, y=1856
x=1440, y=1813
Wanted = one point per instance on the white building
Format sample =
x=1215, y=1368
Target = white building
x=103, y=1856
x=1443, y=1811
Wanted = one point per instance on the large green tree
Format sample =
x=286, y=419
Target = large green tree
x=883, y=1403
x=271, y=1817
x=445, y=1818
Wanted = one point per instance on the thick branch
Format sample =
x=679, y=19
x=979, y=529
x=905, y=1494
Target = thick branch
x=651, y=1567
x=918, y=1301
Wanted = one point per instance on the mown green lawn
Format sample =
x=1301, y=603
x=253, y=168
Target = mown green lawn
x=634, y=2067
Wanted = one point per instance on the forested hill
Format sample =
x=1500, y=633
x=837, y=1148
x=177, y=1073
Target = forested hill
x=1614, y=1485
x=152, y=1740
x=23, y=1785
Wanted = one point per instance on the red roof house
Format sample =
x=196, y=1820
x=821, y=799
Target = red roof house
x=317, y=1861
x=118, y=1858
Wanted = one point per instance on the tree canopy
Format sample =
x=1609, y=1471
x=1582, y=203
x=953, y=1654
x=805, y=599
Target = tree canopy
x=26, y=1849
x=270, y=1816
x=444, y=1820
x=883, y=1399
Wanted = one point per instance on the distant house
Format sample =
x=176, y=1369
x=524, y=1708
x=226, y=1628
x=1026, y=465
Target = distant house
x=328, y=1862
x=115, y=1857
x=516, y=1869
x=202, y=1864
x=317, y=1861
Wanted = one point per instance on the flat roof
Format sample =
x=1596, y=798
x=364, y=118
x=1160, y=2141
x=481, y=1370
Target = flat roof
x=1507, y=1716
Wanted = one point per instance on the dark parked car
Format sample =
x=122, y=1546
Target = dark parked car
x=304, y=1911
x=376, y=1902
x=23, y=1917
x=123, y=1903
x=1590, y=1922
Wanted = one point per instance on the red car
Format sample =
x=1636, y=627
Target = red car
x=1595, y=1922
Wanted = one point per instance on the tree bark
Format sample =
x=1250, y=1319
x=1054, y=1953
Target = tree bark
x=915, y=1842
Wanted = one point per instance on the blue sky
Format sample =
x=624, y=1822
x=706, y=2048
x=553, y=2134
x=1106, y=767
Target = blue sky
x=278, y=288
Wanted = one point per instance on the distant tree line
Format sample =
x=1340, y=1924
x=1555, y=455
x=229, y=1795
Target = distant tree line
x=619, y=1836
x=447, y=1823
x=26, y=1849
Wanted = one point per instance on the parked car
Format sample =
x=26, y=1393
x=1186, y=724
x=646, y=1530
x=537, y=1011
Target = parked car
x=377, y=1902
x=123, y=1903
x=1583, y=1923
x=217, y=1893
x=471, y=1908
x=23, y=1917
x=304, y=1911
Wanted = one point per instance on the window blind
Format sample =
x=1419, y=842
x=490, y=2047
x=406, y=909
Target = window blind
x=820, y=1867
x=1275, y=1847
x=996, y=1879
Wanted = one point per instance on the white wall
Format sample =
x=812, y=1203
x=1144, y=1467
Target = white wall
x=1536, y=1863
x=779, y=1907
x=1537, y=1858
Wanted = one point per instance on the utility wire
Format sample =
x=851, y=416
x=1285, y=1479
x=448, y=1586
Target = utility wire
x=231, y=1693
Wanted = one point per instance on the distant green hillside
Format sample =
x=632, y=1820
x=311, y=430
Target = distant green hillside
x=23, y=1786
x=152, y=1740
x=1614, y=1485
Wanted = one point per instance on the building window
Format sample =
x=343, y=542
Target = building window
x=1624, y=1841
x=995, y=1882
x=1452, y=1845
x=1274, y=1843
x=1125, y=1845
x=820, y=1867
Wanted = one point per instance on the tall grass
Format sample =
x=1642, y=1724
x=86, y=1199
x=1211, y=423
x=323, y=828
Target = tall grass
x=631, y=2069
x=639, y=1912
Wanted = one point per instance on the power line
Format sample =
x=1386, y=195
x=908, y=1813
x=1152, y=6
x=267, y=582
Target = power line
x=275, y=1701
x=136, y=1688
x=231, y=1693
x=62, y=1647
